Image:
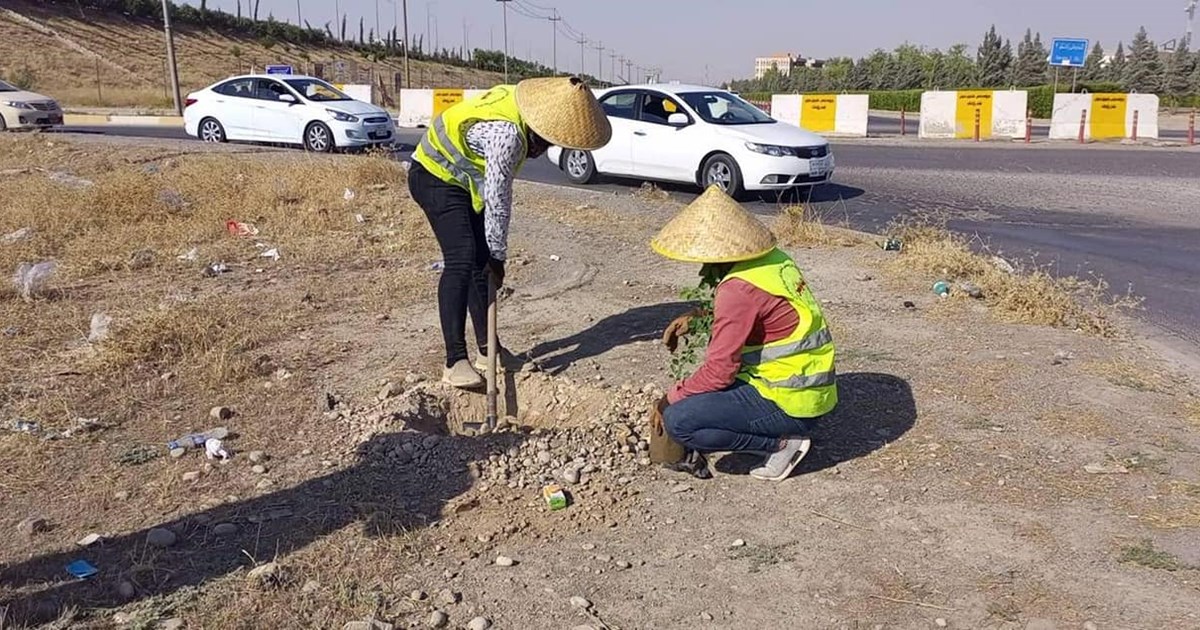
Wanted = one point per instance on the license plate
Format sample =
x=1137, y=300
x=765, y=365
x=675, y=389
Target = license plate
x=380, y=135
x=818, y=166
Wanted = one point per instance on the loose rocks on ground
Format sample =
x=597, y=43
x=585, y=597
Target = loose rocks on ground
x=438, y=619
x=479, y=623
x=161, y=538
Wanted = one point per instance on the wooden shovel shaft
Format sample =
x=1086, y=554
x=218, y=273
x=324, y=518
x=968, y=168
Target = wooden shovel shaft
x=493, y=354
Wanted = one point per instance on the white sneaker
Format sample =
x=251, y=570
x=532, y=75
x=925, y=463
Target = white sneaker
x=780, y=464
x=462, y=375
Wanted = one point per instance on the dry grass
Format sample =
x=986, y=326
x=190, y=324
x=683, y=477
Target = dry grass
x=1028, y=297
x=1132, y=374
x=116, y=244
x=803, y=225
x=63, y=49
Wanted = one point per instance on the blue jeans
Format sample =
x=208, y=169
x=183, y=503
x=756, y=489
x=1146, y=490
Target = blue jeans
x=734, y=419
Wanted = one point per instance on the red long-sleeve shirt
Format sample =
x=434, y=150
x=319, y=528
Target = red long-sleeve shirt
x=743, y=315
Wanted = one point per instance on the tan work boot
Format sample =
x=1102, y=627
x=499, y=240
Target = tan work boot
x=462, y=375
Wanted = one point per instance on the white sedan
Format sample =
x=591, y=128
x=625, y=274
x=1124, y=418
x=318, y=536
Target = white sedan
x=20, y=109
x=285, y=109
x=698, y=135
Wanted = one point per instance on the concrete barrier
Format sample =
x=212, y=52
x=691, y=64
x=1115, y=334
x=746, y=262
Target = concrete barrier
x=953, y=114
x=1104, y=116
x=418, y=107
x=364, y=92
x=828, y=114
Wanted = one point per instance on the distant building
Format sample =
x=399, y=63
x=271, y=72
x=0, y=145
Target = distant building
x=784, y=62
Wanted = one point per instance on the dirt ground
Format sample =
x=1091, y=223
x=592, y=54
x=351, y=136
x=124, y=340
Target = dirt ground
x=978, y=473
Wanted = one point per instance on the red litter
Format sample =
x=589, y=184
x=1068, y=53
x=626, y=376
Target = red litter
x=237, y=228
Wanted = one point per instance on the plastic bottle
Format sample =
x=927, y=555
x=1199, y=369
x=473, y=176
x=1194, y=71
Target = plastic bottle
x=942, y=288
x=195, y=440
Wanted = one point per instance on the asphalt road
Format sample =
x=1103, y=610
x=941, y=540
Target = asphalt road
x=877, y=126
x=1100, y=211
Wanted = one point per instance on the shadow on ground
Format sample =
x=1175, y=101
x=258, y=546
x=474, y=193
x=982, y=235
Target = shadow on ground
x=643, y=323
x=385, y=497
x=873, y=409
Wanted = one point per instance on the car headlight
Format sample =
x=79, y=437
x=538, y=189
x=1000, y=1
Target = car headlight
x=18, y=104
x=770, y=149
x=342, y=116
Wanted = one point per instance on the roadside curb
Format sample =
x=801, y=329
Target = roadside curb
x=116, y=119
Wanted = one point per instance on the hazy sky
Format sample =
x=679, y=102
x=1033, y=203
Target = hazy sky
x=683, y=38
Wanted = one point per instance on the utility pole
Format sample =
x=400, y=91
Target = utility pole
x=504, y=8
x=337, y=20
x=299, y=16
x=428, y=28
x=629, y=71
x=466, y=44
x=599, y=61
x=377, y=31
x=171, y=57
x=554, y=20
x=407, y=74
x=582, y=41
x=612, y=66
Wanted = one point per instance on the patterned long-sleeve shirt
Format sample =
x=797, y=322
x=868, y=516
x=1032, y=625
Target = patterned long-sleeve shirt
x=503, y=147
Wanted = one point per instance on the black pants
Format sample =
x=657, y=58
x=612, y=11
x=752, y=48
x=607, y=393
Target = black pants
x=464, y=285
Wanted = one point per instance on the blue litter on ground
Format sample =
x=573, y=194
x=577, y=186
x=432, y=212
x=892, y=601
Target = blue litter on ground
x=82, y=569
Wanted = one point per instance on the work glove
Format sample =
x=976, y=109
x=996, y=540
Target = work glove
x=678, y=328
x=496, y=268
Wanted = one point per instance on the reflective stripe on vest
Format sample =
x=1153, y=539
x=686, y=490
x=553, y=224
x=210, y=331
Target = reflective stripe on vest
x=805, y=382
x=458, y=165
x=771, y=353
x=444, y=151
x=796, y=373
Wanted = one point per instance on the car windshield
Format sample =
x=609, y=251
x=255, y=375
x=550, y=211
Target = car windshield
x=5, y=87
x=317, y=90
x=723, y=108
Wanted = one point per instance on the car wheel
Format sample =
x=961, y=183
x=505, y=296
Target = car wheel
x=722, y=171
x=211, y=131
x=3, y=125
x=318, y=138
x=579, y=166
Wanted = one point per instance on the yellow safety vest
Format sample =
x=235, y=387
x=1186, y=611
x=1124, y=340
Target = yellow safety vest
x=444, y=152
x=797, y=372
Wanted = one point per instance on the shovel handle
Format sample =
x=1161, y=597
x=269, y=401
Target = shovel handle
x=493, y=356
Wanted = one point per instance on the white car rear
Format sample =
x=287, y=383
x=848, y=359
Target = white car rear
x=698, y=135
x=285, y=109
x=21, y=109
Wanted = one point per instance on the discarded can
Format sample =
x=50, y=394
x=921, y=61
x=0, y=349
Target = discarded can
x=554, y=496
x=941, y=288
x=891, y=245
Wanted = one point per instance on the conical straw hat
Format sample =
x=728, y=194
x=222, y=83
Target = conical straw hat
x=713, y=229
x=564, y=112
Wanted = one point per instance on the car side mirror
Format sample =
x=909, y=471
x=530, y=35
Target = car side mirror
x=678, y=120
x=287, y=98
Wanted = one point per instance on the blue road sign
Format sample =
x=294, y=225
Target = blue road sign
x=1068, y=52
x=279, y=70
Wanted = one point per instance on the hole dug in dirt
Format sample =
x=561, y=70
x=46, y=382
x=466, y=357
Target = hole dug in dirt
x=550, y=429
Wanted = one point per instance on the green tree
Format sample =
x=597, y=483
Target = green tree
x=908, y=67
x=860, y=77
x=1178, y=76
x=933, y=69
x=992, y=60
x=343, y=35
x=1195, y=81
x=1116, y=67
x=1030, y=66
x=1093, y=66
x=959, y=69
x=1143, y=73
